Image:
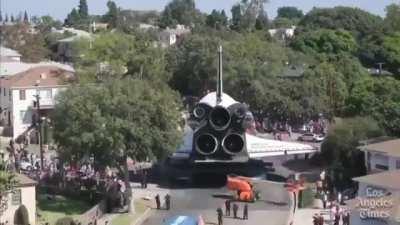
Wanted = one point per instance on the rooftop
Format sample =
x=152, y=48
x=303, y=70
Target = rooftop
x=78, y=34
x=11, y=68
x=391, y=147
x=42, y=76
x=379, y=72
x=8, y=52
x=388, y=179
x=293, y=72
x=24, y=181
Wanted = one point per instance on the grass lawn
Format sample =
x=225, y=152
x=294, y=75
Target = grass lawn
x=128, y=219
x=52, y=210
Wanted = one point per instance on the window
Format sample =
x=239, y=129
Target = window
x=22, y=95
x=45, y=94
x=397, y=164
x=381, y=167
x=25, y=118
x=4, y=89
x=16, y=197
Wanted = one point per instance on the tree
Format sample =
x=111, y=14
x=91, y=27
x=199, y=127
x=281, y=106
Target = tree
x=12, y=19
x=339, y=149
x=391, y=51
x=79, y=19
x=30, y=45
x=379, y=99
x=245, y=14
x=360, y=23
x=282, y=22
x=392, y=20
x=26, y=18
x=217, y=19
x=83, y=9
x=1, y=17
x=262, y=21
x=193, y=65
x=46, y=23
x=324, y=41
x=116, y=120
x=6, y=19
x=112, y=16
x=114, y=54
x=180, y=12
x=7, y=183
x=72, y=18
x=290, y=12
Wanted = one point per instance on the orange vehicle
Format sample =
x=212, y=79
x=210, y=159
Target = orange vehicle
x=243, y=186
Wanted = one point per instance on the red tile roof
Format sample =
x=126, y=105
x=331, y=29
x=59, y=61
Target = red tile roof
x=45, y=76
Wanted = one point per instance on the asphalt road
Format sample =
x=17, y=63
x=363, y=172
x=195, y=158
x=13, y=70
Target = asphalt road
x=273, y=207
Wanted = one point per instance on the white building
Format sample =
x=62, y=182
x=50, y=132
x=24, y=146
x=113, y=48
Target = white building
x=282, y=33
x=9, y=55
x=170, y=37
x=18, y=97
x=21, y=202
x=378, y=199
x=382, y=156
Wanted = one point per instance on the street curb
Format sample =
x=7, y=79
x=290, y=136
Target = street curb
x=141, y=218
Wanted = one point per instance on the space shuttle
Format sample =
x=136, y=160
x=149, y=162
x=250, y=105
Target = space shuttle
x=221, y=133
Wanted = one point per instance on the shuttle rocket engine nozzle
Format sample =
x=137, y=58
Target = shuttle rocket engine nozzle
x=206, y=144
x=220, y=118
x=199, y=112
x=233, y=143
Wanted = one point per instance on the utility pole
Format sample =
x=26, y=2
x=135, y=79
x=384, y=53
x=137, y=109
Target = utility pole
x=380, y=64
x=39, y=129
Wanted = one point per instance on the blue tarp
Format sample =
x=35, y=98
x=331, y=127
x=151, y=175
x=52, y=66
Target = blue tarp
x=181, y=220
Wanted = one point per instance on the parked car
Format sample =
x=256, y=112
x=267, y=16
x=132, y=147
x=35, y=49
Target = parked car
x=310, y=137
x=26, y=165
x=319, y=138
x=184, y=220
x=307, y=137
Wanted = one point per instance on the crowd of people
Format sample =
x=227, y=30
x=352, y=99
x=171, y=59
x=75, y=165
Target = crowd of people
x=330, y=201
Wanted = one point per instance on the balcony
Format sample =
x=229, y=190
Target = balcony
x=45, y=103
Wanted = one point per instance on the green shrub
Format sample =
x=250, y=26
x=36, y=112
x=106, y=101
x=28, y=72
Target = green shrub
x=307, y=198
x=21, y=216
x=65, y=221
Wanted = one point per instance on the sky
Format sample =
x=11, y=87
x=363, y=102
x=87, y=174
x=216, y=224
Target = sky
x=60, y=8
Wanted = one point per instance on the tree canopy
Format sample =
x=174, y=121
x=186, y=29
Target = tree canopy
x=290, y=12
x=30, y=45
x=357, y=21
x=180, y=12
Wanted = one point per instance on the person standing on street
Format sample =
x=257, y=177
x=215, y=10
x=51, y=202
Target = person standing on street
x=324, y=200
x=321, y=219
x=235, y=210
x=228, y=207
x=145, y=179
x=344, y=217
x=219, y=214
x=168, y=201
x=246, y=212
x=337, y=218
x=158, y=201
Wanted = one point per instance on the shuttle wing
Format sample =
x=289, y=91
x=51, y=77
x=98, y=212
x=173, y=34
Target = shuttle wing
x=260, y=147
x=186, y=146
